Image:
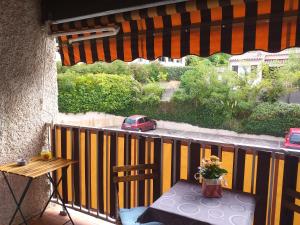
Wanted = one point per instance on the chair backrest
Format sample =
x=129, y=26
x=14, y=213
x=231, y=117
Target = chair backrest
x=141, y=170
x=141, y=175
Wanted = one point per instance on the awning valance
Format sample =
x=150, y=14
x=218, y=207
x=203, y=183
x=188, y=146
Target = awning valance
x=196, y=27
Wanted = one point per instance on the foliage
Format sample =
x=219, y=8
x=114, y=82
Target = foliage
x=152, y=93
x=97, y=92
x=211, y=169
x=207, y=97
x=174, y=73
x=272, y=118
x=220, y=59
x=279, y=81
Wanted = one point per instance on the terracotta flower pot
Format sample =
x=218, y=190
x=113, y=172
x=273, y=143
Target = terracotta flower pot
x=212, y=188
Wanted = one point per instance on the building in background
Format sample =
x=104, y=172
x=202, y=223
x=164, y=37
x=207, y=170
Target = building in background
x=165, y=61
x=253, y=61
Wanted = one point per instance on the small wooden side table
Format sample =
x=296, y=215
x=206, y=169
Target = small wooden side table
x=35, y=168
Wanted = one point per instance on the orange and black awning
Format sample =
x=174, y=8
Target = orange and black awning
x=196, y=27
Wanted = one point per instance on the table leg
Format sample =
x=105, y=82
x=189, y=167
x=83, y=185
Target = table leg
x=15, y=199
x=51, y=196
x=55, y=190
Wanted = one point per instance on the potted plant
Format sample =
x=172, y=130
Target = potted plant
x=212, y=177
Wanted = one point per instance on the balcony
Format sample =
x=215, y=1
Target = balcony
x=51, y=217
x=272, y=175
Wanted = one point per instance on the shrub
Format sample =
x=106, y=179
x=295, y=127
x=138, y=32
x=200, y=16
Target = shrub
x=272, y=118
x=175, y=73
x=97, y=92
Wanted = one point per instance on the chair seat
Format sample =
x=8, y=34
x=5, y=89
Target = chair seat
x=130, y=216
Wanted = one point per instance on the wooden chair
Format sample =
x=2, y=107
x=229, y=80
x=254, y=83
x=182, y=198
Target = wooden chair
x=127, y=169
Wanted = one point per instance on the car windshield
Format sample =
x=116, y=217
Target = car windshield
x=130, y=121
x=295, y=139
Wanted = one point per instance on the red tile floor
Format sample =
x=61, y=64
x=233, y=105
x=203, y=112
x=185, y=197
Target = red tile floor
x=52, y=217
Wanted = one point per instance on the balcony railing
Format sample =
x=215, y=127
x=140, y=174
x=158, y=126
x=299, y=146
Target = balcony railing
x=271, y=174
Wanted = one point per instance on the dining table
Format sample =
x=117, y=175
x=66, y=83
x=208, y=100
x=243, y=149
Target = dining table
x=36, y=167
x=185, y=204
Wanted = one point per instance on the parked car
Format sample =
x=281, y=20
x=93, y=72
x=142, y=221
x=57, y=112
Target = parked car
x=292, y=139
x=138, y=123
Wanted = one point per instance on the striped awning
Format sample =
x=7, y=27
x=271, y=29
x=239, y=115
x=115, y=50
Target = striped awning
x=196, y=27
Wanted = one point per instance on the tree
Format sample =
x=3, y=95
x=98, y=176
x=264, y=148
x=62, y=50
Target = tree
x=279, y=81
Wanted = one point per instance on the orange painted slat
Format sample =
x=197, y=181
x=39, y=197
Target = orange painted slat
x=88, y=51
x=195, y=42
x=215, y=39
x=113, y=48
x=237, y=39
x=100, y=50
x=262, y=35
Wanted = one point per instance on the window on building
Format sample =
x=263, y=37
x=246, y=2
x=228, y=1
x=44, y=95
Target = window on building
x=253, y=68
x=235, y=68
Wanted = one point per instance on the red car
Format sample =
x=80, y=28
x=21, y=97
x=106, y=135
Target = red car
x=138, y=123
x=292, y=139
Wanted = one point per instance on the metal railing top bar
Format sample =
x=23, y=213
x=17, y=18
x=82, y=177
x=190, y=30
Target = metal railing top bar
x=203, y=141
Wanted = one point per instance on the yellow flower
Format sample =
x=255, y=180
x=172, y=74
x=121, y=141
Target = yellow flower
x=214, y=158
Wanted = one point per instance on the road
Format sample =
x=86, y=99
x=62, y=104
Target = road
x=238, y=140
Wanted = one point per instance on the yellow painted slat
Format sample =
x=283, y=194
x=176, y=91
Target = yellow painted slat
x=297, y=202
x=105, y=194
x=69, y=171
x=279, y=192
x=248, y=173
x=152, y=161
x=82, y=168
x=94, y=156
x=184, y=162
x=166, y=173
x=58, y=154
x=227, y=163
x=121, y=162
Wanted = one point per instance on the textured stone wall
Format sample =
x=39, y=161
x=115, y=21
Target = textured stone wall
x=28, y=96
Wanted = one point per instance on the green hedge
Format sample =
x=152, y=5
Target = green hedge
x=272, y=118
x=97, y=92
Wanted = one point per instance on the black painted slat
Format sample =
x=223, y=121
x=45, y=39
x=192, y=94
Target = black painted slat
x=262, y=187
x=75, y=136
x=128, y=155
x=289, y=182
x=214, y=150
x=141, y=191
x=178, y=160
x=157, y=160
x=100, y=189
x=194, y=160
x=240, y=170
x=275, y=26
x=250, y=26
x=113, y=162
x=64, y=170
